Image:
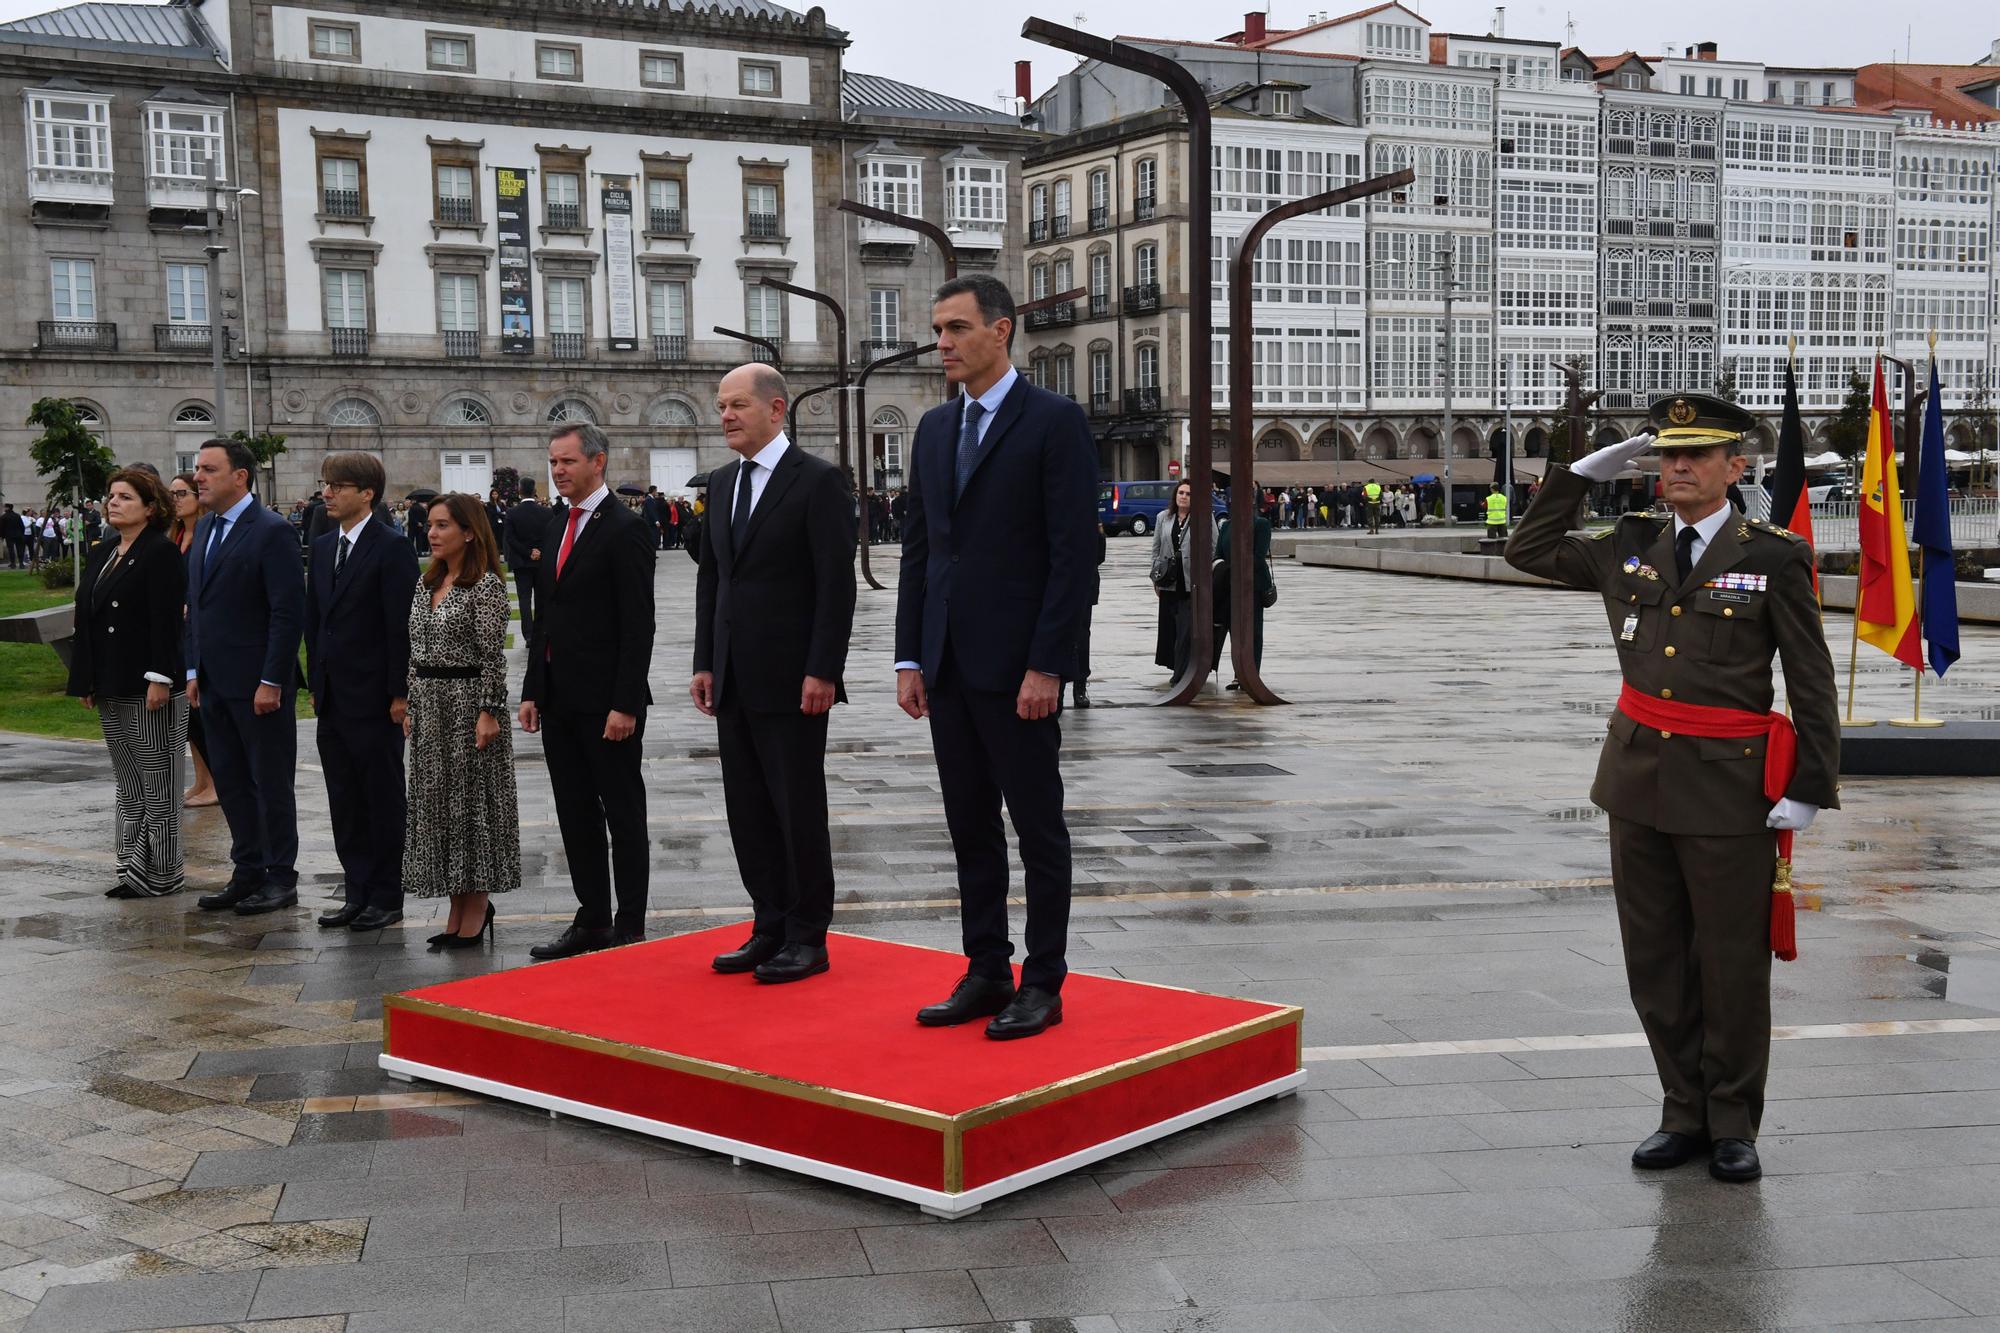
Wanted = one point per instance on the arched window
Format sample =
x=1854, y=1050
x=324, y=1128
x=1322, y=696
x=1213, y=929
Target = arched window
x=88, y=414
x=195, y=414
x=353, y=412
x=572, y=409
x=886, y=439
x=671, y=412
x=465, y=412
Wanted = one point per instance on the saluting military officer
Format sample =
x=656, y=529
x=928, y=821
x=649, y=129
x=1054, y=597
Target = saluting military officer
x=1699, y=600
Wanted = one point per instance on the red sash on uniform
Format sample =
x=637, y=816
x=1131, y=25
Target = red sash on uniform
x=1781, y=761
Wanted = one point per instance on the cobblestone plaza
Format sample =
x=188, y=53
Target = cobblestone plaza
x=193, y=1132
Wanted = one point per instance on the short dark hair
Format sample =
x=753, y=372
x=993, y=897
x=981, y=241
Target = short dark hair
x=363, y=471
x=527, y=486
x=241, y=459
x=145, y=483
x=995, y=301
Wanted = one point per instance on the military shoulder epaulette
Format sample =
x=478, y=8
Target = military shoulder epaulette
x=1762, y=525
x=1640, y=513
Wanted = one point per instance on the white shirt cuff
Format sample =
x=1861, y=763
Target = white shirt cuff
x=909, y=666
x=159, y=679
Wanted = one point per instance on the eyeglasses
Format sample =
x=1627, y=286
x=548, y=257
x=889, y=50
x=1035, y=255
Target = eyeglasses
x=338, y=486
x=180, y=492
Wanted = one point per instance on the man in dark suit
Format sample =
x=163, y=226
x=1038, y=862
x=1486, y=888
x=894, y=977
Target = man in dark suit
x=998, y=555
x=245, y=602
x=358, y=589
x=525, y=522
x=774, y=606
x=586, y=689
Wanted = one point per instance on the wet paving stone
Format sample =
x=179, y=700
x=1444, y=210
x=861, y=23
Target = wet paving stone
x=194, y=1133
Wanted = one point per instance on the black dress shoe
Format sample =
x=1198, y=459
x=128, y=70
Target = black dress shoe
x=576, y=940
x=1082, y=698
x=234, y=893
x=1735, y=1161
x=374, y=918
x=794, y=962
x=1033, y=1012
x=341, y=916
x=752, y=954
x=974, y=997
x=621, y=938
x=1667, y=1149
x=270, y=898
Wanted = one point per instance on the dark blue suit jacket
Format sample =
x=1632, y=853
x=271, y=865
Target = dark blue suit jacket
x=1003, y=571
x=358, y=631
x=244, y=613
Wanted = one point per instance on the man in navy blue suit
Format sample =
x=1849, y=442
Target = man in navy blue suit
x=246, y=600
x=998, y=555
x=358, y=589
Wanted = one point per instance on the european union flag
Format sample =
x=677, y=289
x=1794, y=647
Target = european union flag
x=1938, y=602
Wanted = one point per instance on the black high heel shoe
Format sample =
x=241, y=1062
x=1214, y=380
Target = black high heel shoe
x=449, y=941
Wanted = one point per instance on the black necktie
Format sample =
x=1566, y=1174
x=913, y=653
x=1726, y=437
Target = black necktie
x=739, y=517
x=1684, y=553
x=340, y=557
x=968, y=440
x=214, y=542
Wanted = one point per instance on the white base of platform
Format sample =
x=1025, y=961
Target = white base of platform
x=937, y=1203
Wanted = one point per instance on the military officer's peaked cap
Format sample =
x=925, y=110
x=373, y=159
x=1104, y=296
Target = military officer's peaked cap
x=1696, y=421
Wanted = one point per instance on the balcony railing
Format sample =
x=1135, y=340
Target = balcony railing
x=69, y=185
x=1142, y=298
x=1038, y=231
x=979, y=234
x=566, y=217
x=1100, y=305
x=667, y=221
x=461, y=342
x=1062, y=313
x=77, y=335
x=1704, y=152
x=1614, y=398
x=182, y=338
x=340, y=203
x=462, y=212
x=1145, y=207
x=1618, y=307
x=566, y=346
x=1100, y=403
x=1660, y=227
x=1100, y=218
x=874, y=349
x=1701, y=231
x=1618, y=144
x=1059, y=225
x=1144, y=399
x=1618, y=226
x=670, y=347
x=1659, y=309
x=1038, y=319
x=1701, y=310
x=763, y=226
x=1663, y=147
x=348, y=342
x=885, y=233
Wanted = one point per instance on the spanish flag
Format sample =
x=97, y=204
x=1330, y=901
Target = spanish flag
x=1886, y=610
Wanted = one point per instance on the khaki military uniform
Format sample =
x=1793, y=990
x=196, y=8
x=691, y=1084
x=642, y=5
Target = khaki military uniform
x=1691, y=859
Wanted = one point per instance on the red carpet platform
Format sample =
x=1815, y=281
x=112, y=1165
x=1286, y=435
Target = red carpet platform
x=833, y=1077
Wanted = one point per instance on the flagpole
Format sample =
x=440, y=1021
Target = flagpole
x=1916, y=717
x=1854, y=642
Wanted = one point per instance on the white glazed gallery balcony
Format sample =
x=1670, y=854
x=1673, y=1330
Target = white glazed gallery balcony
x=69, y=185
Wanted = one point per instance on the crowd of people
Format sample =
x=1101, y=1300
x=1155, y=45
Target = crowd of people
x=35, y=538
x=1368, y=504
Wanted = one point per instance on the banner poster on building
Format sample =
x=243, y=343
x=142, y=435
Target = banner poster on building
x=624, y=319
x=517, y=287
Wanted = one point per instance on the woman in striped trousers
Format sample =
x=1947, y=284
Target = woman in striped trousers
x=127, y=664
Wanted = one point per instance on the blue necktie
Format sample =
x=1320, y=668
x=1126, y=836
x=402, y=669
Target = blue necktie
x=214, y=543
x=968, y=440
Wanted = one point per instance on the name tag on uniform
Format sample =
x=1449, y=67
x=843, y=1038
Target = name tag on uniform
x=1631, y=629
x=1719, y=596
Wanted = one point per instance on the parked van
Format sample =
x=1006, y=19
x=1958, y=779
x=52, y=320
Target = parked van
x=1134, y=506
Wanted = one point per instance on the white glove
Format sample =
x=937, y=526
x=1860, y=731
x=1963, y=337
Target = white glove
x=1790, y=814
x=1612, y=459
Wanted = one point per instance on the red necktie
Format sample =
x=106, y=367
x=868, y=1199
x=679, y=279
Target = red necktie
x=569, y=540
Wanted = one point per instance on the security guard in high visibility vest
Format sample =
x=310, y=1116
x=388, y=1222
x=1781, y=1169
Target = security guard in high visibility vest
x=1496, y=512
x=1372, y=494
x=1697, y=772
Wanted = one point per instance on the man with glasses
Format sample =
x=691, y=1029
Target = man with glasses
x=358, y=590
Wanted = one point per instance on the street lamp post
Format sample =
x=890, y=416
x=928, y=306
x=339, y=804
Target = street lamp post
x=1201, y=367
x=214, y=250
x=1450, y=368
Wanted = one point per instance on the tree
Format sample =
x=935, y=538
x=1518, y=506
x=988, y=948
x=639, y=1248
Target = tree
x=265, y=444
x=1847, y=433
x=1725, y=381
x=507, y=481
x=66, y=447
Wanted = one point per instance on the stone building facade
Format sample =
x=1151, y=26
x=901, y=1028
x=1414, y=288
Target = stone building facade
x=386, y=287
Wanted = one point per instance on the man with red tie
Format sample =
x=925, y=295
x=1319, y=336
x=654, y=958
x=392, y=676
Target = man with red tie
x=586, y=691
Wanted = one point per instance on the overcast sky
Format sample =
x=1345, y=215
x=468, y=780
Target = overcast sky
x=969, y=50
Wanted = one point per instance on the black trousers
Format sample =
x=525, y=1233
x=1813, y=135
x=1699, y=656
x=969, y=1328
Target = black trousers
x=363, y=761
x=1083, y=648
x=774, y=787
x=987, y=754
x=524, y=591
x=255, y=761
x=599, y=789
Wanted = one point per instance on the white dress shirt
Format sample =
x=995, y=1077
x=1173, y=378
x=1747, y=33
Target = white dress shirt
x=762, y=464
x=990, y=400
x=1705, y=530
x=351, y=535
x=586, y=511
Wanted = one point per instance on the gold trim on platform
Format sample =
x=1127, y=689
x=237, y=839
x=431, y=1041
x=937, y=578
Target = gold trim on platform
x=683, y=1064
